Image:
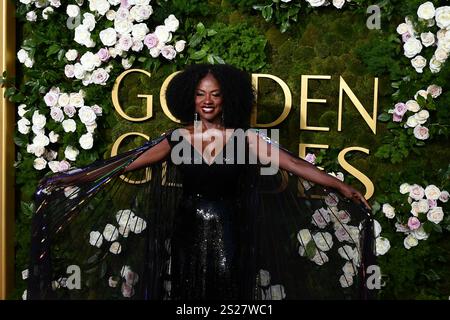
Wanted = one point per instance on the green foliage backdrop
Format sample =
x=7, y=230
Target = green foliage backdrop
x=286, y=40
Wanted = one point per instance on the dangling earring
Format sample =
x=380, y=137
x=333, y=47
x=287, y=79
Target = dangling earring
x=196, y=121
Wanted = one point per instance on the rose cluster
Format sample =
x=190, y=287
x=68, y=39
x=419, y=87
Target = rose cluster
x=321, y=3
x=418, y=117
x=424, y=209
x=413, y=42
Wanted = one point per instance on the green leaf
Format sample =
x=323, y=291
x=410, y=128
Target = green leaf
x=219, y=59
x=195, y=40
x=211, y=32
x=53, y=49
x=267, y=13
x=198, y=55
x=310, y=249
x=201, y=29
x=384, y=117
x=210, y=59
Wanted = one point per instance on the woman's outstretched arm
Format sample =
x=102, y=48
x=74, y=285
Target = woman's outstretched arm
x=268, y=152
x=155, y=154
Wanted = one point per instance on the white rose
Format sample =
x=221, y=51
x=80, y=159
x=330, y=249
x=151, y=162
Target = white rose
x=90, y=61
x=46, y=12
x=69, y=125
x=421, y=133
x=78, y=71
x=432, y=192
x=137, y=46
x=180, y=45
x=23, y=125
x=22, y=55
x=427, y=38
x=56, y=114
x=411, y=122
x=69, y=70
x=402, y=28
x=41, y=140
x=97, y=109
x=38, y=120
x=110, y=233
x=71, y=153
x=39, y=163
x=304, y=236
x=346, y=252
x=444, y=196
x=54, y=166
x=111, y=15
x=434, y=90
x=316, y=3
x=53, y=137
x=404, y=188
x=86, y=141
x=388, y=211
x=422, y=206
x=123, y=26
x=419, y=63
x=101, y=6
x=73, y=10
x=21, y=110
x=125, y=42
x=124, y=231
x=63, y=99
x=410, y=242
x=64, y=166
x=115, y=248
x=415, y=208
x=82, y=35
x=116, y=2
x=89, y=21
x=440, y=56
x=100, y=76
x=426, y=11
x=338, y=3
x=163, y=34
x=435, y=215
x=139, y=31
x=141, y=12
x=91, y=127
x=420, y=233
x=422, y=116
x=154, y=52
x=127, y=63
x=412, y=105
x=416, y=192
x=435, y=65
x=323, y=241
x=108, y=37
x=320, y=218
x=31, y=16
x=38, y=131
x=55, y=3
x=382, y=246
x=87, y=115
x=345, y=280
x=123, y=217
x=168, y=52
x=172, y=23
x=29, y=63
x=443, y=17
x=95, y=239
x=412, y=47
x=76, y=99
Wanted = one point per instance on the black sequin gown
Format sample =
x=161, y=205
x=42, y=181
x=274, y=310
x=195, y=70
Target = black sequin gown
x=206, y=244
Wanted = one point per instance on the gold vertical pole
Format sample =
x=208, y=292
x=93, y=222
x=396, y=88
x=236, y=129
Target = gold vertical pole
x=7, y=63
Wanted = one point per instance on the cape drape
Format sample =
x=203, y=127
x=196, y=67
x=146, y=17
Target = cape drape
x=100, y=234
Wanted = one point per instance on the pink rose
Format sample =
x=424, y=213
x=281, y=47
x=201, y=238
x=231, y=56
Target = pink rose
x=400, y=109
x=342, y=234
x=413, y=223
x=397, y=118
x=421, y=133
x=69, y=71
x=151, y=40
x=311, y=158
x=406, y=36
x=127, y=290
x=64, y=165
x=432, y=203
x=103, y=54
x=444, y=196
x=70, y=111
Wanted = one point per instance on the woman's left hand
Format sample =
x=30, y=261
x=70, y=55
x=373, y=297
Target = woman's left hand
x=353, y=194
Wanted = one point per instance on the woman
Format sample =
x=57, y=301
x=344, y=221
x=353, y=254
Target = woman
x=210, y=224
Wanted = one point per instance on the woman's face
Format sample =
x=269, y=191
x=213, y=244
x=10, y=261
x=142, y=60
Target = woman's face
x=208, y=99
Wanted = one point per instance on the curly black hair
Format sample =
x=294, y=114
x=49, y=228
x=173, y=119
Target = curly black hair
x=236, y=87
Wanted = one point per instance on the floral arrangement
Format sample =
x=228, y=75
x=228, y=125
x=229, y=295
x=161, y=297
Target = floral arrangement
x=414, y=42
x=417, y=116
x=425, y=212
